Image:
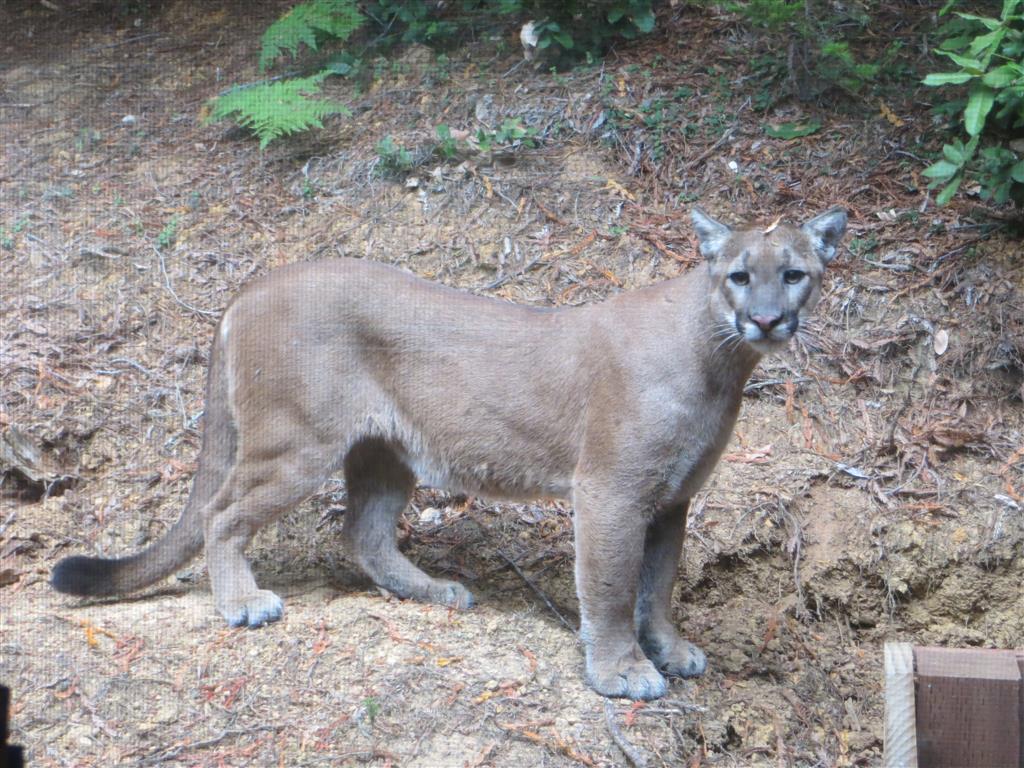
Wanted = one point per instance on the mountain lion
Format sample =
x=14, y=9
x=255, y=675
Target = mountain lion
x=623, y=406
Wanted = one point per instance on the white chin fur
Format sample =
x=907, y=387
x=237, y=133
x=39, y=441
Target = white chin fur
x=769, y=346
x=765, y=344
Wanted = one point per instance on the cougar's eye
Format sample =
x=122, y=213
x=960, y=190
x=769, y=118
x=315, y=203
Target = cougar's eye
x=740, y=278
x=793, y=276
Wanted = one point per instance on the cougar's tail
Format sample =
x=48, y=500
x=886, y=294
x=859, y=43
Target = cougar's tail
x=101, y=577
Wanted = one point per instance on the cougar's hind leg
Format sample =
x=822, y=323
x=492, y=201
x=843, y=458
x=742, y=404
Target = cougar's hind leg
x=259, y=488
x=380, y=486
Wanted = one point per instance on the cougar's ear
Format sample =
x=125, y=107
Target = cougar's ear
x=825, y=232
x=711, y=234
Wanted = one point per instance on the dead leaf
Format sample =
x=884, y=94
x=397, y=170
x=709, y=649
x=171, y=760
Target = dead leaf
x=889, y=115
x=18, y=452
x=753, y=456
x=531, y=658
x=618, y=189
x=630, y=717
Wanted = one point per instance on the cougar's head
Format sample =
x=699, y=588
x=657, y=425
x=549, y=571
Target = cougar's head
x=764, y=280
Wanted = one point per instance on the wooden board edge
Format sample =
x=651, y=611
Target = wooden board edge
x=900, y=746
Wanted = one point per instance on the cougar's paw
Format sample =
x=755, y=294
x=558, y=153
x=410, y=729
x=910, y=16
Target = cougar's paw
x=254, y=610
x=682, y=659
x=630, y=678
x=452, y=594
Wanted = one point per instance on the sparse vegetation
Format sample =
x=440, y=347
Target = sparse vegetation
x=392, y=158
x=276, y=109
x=280, y=108
x=309, y=24
x=989, y=56
x=166, y=237
x=511, y=133
x=810, y=48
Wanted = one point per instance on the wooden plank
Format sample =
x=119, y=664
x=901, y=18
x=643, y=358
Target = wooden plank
x=968, y=708
x=900, y=750
x=1020, y=688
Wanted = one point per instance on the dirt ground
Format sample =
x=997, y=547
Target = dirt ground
x=872, y=492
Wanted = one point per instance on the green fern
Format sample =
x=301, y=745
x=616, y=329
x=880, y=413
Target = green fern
x=273, y=110
x=309, y=23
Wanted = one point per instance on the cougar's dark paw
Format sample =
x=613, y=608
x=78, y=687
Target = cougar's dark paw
x=254, y=610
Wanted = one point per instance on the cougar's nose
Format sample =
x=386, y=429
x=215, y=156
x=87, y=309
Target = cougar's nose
x=765, y=321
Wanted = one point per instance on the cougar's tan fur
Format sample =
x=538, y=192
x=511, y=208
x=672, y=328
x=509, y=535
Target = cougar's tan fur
x=622, y=406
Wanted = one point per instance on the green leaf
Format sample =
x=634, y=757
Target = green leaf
x=1017, y=172
x=792, y=130
x=644, y=21
x=564, y=39
x=979, y=103
x=955, y=43
x=615, y=14
x=987, y=44
x=988, y=22
x=973, y=66
x=947, y=194
x=1000, y=77
x=953, y=154
x=947, y=78
x=273, y=110
x=940, y=171
x=306, y=24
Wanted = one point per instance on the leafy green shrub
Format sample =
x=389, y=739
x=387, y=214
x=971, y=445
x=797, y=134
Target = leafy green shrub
x=416, y=20
x=564, y=28
x=284, y=107
x=989, y=54
x=510, y=133
x=807, y=29
x=392, y=159
x=587, y=26
x=447, y=147
x=273, y=110
x=309, y=23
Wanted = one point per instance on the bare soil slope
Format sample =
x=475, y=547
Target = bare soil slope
x=873, y=489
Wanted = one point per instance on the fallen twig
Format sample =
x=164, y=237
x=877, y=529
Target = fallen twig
x=539, y=593
x=511, y=275
x=173, y=752
x=556, y=744
x=175, y=296
x=634, y=756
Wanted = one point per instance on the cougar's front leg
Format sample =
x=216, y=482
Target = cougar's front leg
x=609, y=554
x=658, y=637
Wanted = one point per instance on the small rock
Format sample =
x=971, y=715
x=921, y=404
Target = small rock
x=129, y=120
x=483, y=110
x=167, y=712
x=430, y=516
x=529, y=38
